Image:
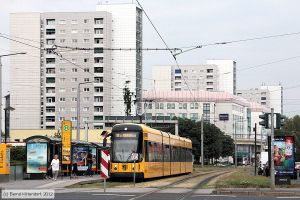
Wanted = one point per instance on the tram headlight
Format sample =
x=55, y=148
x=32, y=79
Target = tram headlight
x=115, y=167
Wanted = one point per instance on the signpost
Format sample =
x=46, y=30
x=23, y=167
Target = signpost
x=66, y=137
x=134, y=157
x=104, y=166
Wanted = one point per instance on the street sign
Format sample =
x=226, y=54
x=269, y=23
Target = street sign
x=66, y=127
x=104, y=164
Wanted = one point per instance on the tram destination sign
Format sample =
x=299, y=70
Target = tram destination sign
x=66, y=127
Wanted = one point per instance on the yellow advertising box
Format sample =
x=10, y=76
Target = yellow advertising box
x=4, y=159
x=66, y=139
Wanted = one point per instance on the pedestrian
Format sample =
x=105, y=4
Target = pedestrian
x=89, y=160
x=75, y=170
x=55, y=166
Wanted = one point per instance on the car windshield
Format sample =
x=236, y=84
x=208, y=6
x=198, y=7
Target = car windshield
x=124, y=144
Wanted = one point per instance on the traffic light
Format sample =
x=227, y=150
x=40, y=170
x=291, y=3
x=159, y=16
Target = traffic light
x=265, y=120
x=279, y=120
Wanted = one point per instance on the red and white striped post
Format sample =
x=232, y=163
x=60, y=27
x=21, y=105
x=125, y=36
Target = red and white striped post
x=104, y=166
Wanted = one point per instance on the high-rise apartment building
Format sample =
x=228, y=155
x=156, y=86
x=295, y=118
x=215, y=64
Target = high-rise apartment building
x=268, y=96
x=44, y=85
x=217, y=75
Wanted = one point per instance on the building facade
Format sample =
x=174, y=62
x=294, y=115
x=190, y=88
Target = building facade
x=233, y=115
x=216, y=75
x=45, y=82
x=268, y=96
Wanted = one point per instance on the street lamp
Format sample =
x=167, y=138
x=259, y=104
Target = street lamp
x=78, y=109
x=5, y=55
x=6, y=121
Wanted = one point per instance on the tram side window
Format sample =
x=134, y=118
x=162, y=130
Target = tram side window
x=153, y=152
x=175, y=154
x=182, y=154
x=189, y=157
x=166, y=153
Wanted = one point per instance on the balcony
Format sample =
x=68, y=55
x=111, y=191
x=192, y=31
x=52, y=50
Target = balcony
x=48, y=123
x=98, y=103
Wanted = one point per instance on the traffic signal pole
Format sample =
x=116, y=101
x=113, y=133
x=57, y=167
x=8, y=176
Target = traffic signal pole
x=272, y=172
x=202, y=143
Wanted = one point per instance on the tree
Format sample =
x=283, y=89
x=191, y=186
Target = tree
x=18, y=154
x=216, y=143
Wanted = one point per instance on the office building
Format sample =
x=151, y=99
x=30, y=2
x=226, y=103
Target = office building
x=216, y=75
x=268, y=96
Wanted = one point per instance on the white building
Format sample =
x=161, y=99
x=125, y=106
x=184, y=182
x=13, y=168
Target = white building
x=232, y=114
x=268, y=96
x=44, y=86
x=217, y=75
x=126, y=65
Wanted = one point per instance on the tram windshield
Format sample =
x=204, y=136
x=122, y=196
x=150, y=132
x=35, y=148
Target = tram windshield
x=124, y=144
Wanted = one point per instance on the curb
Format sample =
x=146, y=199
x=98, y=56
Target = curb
x=256, y=193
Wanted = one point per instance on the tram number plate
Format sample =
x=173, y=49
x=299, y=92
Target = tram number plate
x=134, y=156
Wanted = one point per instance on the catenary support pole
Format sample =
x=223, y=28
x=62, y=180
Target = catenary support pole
x=255, y=153
x=272, y=172
x=202, y=143
x=78, y=114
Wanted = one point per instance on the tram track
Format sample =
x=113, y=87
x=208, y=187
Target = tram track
x=215, y=174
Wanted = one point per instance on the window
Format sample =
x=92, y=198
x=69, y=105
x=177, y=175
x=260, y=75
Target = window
x=62, y=22
x=86, y=70
x=98, y=80
x=192, y=105
x=98, y=70
x=86, y=80
x=98, y=109
x=98, y=40
x=86, y=99
x=62, y=99
x=73, y=99
x=86, y=109
x=209, y=77
x=62, y=40
x=168, y=106
x=62, y=60
x=74, y=40
x=62, y=80
x=183, y=115
x=62, y=70
x=194, y=116
x=73, y=118
x=98, y=60
x=98, y=20
x=209, y=89
x=73, y=60
x=50, y=31
x=206, y=112
x=180, y=105
x=85, y=119
x=73, y=79
x=209, y=70
x=74, y=31
x=161, y=105
x=98, y=30
x=62, y=89
x=61, y=118
x=74, y=21
x=209, y=83
x=156, y=105
x=148, y=116
x=86, y=89
x=98, y=99
x=74, y=69
x=50, y=41
x=86, y=40
x=86, y=21
x=177, y=71
x=159, y=114
x=50, y=60
x=74, y=90
x=184, y=105
x=50, y=21
x=86, y=31
x=98, y=89
x=263, y=103
x=263, y=98
x=61, y=109
x=98, y=50
x=196, y=105
x=73, y=109
x=171, y=115
x=86, y=60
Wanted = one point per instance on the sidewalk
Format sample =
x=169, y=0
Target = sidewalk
x=47, y=183
x=258, y=191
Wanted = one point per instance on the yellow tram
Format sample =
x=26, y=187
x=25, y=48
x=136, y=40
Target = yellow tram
x=159, y=153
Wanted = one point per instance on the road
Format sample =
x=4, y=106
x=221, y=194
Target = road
x=157, y=196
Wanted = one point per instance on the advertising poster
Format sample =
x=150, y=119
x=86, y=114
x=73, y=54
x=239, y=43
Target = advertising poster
x=66, y=141
x=284, y=155
x=36, y=158
x=79, y=157
x=4, y=159
x=93, y=151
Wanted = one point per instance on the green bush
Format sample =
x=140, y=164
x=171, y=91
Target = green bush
x=17, y=154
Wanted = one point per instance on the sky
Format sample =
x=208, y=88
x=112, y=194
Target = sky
x=194, y=22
